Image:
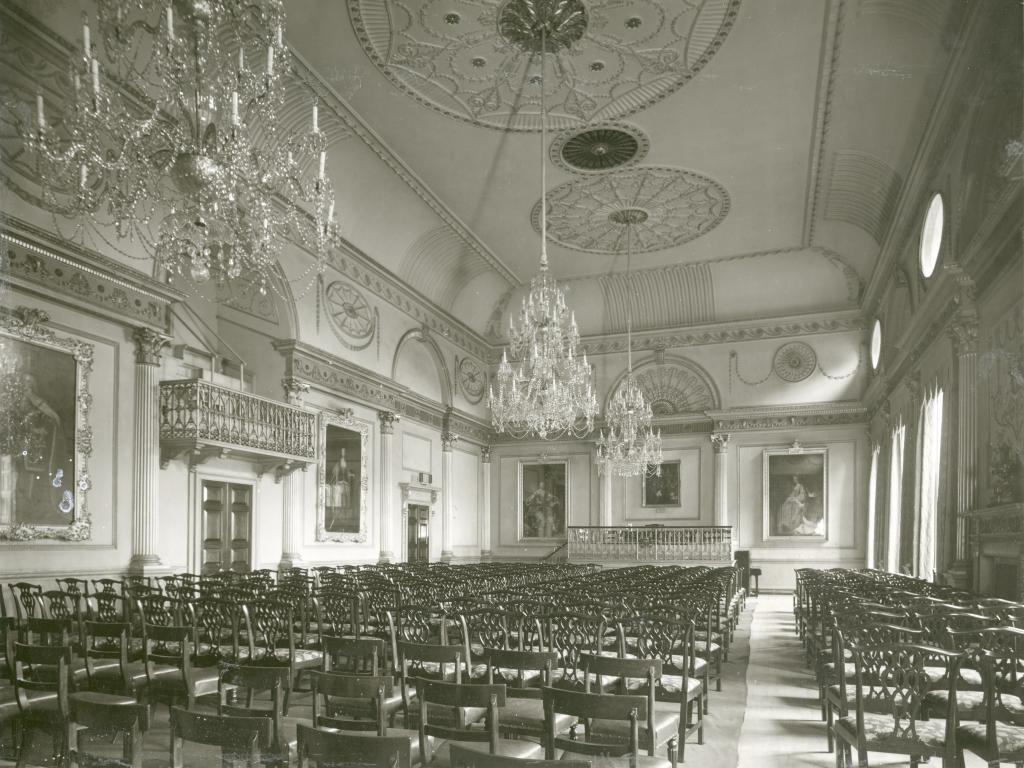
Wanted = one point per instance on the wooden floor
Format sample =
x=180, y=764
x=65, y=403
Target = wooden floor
x=765, y=717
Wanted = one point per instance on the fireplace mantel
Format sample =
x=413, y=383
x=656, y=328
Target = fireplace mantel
x=997, y=539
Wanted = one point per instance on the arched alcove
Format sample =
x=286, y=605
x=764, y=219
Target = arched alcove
x=674, y=386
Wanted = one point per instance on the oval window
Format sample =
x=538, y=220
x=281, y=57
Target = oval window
x=931, y=235
x=876, y=344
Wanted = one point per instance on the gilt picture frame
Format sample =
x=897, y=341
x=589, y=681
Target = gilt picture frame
x=543, y=500
x=45, y=430
x=664, y=489
x=795, y=487
x=342, y=479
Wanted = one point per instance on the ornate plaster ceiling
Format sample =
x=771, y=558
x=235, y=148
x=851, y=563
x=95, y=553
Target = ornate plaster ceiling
x=470, y=59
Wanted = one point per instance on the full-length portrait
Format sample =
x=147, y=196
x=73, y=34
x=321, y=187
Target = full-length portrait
x=795, y=493
x=544, y=500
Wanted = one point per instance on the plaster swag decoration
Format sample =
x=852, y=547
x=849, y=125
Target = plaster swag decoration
x=468, y=59
x=792, y=363
x=22, y=409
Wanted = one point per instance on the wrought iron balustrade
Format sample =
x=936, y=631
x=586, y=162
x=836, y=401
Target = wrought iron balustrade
x=643, y=544
x=199, y=415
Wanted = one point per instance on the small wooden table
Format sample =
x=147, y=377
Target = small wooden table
x=756, y=573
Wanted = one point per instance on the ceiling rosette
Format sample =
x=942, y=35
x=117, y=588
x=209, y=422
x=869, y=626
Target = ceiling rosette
x=473, y=59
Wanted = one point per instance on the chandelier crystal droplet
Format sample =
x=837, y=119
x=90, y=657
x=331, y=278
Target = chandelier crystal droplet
x=175, y=141
x=543, y=389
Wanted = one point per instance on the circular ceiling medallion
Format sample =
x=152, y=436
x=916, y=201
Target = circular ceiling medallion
x=476, y=59
x=600, y=147
x=679, y=206
x=794, y=361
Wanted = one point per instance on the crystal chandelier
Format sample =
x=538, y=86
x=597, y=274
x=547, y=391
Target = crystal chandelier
x=544, y=390
x=175, y=142
x=630, y=447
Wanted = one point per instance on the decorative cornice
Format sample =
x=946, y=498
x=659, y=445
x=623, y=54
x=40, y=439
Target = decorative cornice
x=788, y=416
x=333, y=102
x=773, y=328
x=823, y=112
x=34, y=259
x=333, y=374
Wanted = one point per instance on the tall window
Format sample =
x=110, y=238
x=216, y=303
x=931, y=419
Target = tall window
x=872, y=507
x=931, y=454
x=892, y=552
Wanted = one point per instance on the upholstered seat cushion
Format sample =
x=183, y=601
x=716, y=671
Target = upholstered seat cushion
x=970, y=704
x=561, y=679
x=520, y=748
x=527, y=716
x=666, y=725
x=704, y=647
x=1009, y=741
x=969, y=677
x=878, y=733
x=672, y=687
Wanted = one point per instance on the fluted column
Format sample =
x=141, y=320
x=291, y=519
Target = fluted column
x=146, y=458
x=386, y=492
x=292, y=489
x=964, y=332
x=485, y=507
x=447, y=487
x=720, y=442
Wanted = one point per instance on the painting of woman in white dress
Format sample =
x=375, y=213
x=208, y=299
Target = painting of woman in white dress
x=795, y=485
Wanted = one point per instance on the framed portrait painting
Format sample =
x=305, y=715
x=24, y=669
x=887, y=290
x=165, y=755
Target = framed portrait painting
x=796, y=494
x=543, y=500
x=663, y=489
x=45, y=436
x=342, y=478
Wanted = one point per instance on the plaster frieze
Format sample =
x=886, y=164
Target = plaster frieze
x=342, y=377
x=788, y=417
x=73, y=275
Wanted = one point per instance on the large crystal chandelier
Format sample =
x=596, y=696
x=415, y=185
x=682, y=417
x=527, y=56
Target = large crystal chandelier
x=630, y=447
x=174, y=140
x=543, y=388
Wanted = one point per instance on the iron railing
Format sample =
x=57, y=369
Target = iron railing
x=651, y=544
x=194, y=410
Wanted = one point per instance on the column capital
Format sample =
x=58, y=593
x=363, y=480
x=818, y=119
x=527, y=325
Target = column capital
x=720, y=441
x=963, y=330
x=149, y=345
x=485, y=454
x=448, y=439
x=294, y=390
x=387, y=421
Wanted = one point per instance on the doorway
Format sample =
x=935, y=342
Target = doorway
x=418, y=534
x=226, y=510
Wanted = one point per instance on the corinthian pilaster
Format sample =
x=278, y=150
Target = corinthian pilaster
x=720, y=442
x=146, y=457
x=485, y=506
x=448, y=440
x=964, y=333
x=385, y=490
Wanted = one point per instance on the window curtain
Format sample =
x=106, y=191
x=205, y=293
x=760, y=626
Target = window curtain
x=892, y=551
x=931, y=456
x=872, y=507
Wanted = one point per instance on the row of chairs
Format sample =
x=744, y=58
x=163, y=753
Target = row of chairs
x=910, y=667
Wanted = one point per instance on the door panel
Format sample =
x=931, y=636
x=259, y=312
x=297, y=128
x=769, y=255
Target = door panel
x=227, y=526
x=418, y=534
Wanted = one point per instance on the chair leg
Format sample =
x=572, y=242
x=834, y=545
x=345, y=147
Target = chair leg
x=828, y=730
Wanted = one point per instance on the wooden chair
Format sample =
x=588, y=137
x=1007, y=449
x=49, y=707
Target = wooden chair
x=1000, y=738
x=468, y=757
x=110, y=721
x=891, y=686
x=270, y=630
x=234, y=679
x=170, y=675
x=584, y=708
x=636, y=676
x=326, y=749
x=26, y=600
x=41, y=676
x=241, y=740
x=459, y=699
x=524, y=675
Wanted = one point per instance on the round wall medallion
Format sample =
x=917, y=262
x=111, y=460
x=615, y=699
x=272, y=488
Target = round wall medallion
x=472, y=380
x=600, y=148
x=794, y=361
x=349, y=312
x=587, y=214
x=475, y=60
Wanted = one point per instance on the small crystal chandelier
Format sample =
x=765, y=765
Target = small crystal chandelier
x=174, y=142
x=545, y=390
x=630, y=447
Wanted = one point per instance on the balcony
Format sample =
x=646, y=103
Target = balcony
x=200, y=420
x=710, y=545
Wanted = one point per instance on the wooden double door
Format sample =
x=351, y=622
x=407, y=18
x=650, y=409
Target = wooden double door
x=226, y=512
